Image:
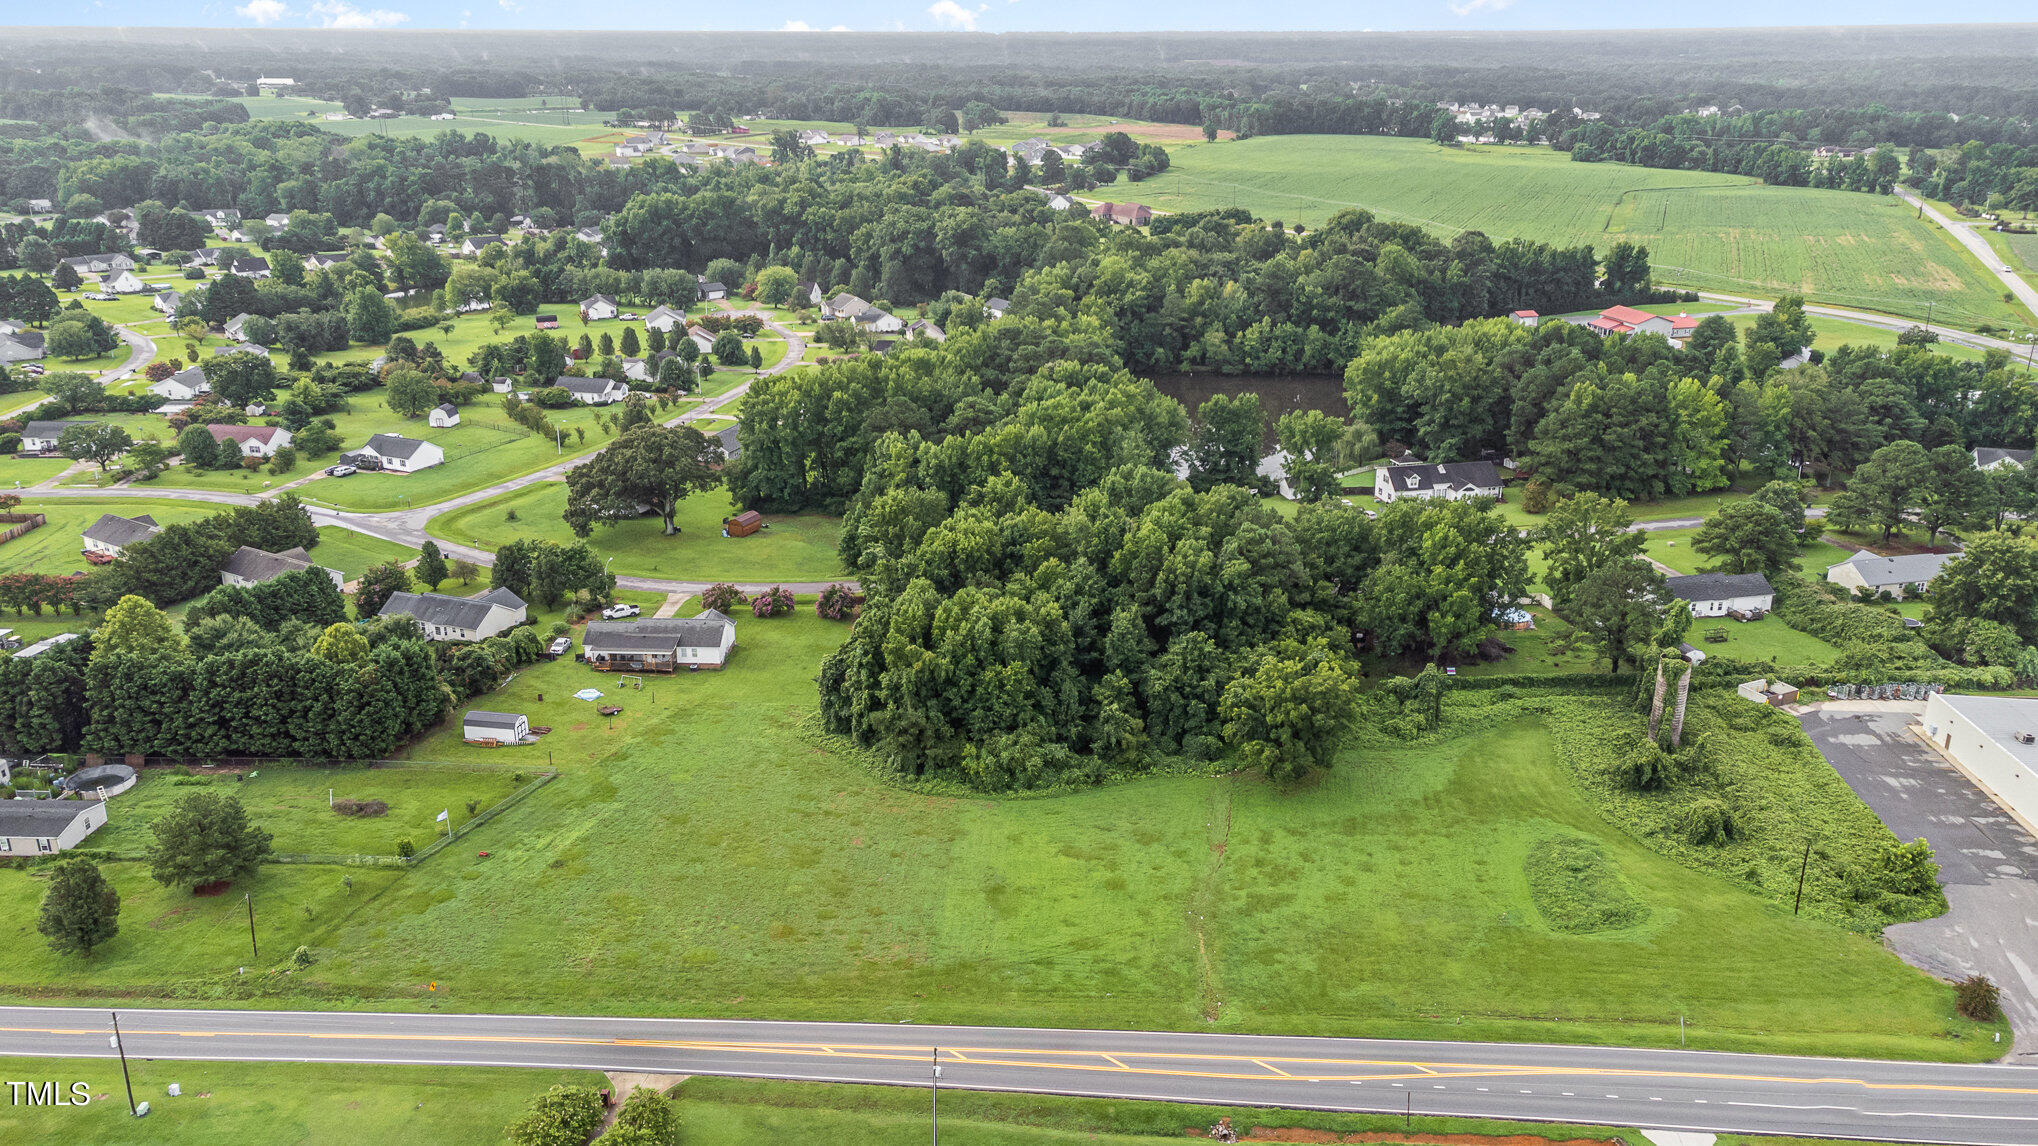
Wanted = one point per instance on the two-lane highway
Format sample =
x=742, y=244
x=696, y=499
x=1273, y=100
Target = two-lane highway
x=1994, y=1105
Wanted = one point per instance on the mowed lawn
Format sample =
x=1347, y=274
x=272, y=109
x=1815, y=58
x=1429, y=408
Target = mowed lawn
x=1703, y=230
x=1389, y=898
x=350, y=554
x=291, y=804
x=792, y=547
x=1672, y=547
x=312, y=1103
x=55, y=547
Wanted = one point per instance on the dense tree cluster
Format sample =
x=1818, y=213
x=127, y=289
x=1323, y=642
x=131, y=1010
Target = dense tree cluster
x=183, y=559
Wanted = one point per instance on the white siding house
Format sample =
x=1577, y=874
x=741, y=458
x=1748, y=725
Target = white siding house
x=1876, y=574
x=1718, y=594
x=45, y=827
x=398, y=454
x=1452, y=481
x=445, y=618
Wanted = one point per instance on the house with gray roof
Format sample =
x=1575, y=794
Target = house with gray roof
x=593, y=391
x=31, y=828
x=112, y=263
x=251, y=566
x=395, y=453
x=185, y=385
x=113, y=533
x=1449, y=481
x=665, y=318
x=22, y=345
x=1893, y=575
x=660, y=644
x=1722, y=594
x=1992, y=457
x=445, y=618
x=41, y=437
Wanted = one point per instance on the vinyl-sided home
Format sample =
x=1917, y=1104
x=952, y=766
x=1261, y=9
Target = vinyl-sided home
x=1994, y=739
x=660, y=645
x=398, y=454
x=1724, y=594
x=479, y=726
x=22, y=345
x=166, y=301
x=108, y=264
x=252, y=441
x=122, y=282
x=251, y=566
x=185, y=385
x=476, y=244
x=598, y=307
x=1893, y=575
x=113, y=533
x=42, y=437
x=594, y=391
x=445, y=618
x=46, y=827
x=665, y=318
x=1452, y=481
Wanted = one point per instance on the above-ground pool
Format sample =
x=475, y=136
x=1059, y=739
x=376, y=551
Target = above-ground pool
x=114, y=778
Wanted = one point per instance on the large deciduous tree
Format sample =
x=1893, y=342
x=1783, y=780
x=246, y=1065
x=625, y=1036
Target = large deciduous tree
x=1747, y=537
x=649, y=465
x=1582, y=535
x=203, y=839
x=80, y=910
x=1287, y=714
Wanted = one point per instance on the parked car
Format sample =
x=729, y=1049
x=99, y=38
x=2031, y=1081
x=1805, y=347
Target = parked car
x=341, y=471
x=560, y=647
x=618, y=612
x=102, y=296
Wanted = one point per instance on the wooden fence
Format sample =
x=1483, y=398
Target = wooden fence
x=20, y=523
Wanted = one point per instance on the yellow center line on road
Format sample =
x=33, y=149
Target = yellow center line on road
x=1147, y=1062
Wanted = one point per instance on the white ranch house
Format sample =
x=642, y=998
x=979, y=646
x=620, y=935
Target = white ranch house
x=1718, y=594
x=445, y=618
x=1451, y=481
x=1893, y=575
x=398, y=454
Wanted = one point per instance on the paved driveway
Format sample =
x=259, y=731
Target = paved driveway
x=1987, y=862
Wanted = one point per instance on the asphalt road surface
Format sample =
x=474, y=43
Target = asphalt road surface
x=1977, y=246
x=1986, y=1105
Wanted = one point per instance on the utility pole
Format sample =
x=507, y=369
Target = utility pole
x=123, y=1064
x=1802, y=868
x=250, y=898
x=934, y=1087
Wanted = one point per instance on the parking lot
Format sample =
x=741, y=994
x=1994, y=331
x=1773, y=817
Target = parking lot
x=1987, y=862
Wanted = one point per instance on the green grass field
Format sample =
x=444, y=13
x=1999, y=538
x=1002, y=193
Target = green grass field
x=311, y=1103
x=1388, y=897
x=1673, y=548
x=290, y=803
x=791, y=548
x=350, y=554
x=1706, y=231
x=54, y=548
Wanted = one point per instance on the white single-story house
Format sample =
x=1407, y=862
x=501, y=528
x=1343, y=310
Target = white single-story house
x=1991, y=457
x=252, y=441
x=1893, y=575
x=236, y=327
x=1718, y=594
x=22, y=345
x=925, y=329
x=402, y=455
x=598, y=307
x=42, y=437
x=664, y=318
x=593, y=391
x=125, y=282
x=1994, y=741
x=184, y=386
x=476, y=244
x=502, y=727
x=46, y=827
x=113, y=533
x=444, y=416
x=660, y=644
x=101, y=264
x=445, y=618
x=702, y=340
x=806, y=294
x=250, y=268
x=1452, y=481
x=166, y=302
x=251, y=566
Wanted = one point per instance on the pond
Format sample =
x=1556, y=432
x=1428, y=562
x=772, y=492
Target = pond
x=1279, y=394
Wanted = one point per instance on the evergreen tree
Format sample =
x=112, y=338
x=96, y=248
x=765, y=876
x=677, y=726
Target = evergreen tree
x=80, y=910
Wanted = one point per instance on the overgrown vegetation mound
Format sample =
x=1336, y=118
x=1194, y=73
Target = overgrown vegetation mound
x=1578, y=889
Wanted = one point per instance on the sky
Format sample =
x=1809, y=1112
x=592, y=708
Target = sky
x=959, y=15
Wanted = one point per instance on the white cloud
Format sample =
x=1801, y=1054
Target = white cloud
x=1471, y=6
x=340, y=14
x=264, y=12
x=510, y=5
x=839, y=28
x=954, y=15
x=797, y=26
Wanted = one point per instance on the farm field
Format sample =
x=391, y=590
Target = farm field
x=1086, y=908
x=313, y=1103
x=799, y=547
x=1704, y=231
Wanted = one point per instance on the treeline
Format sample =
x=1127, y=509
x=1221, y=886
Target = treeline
x=1736, y=146
x=134, y=112
x=1634, y=418
x=1005, y=646
x=1998, y=177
